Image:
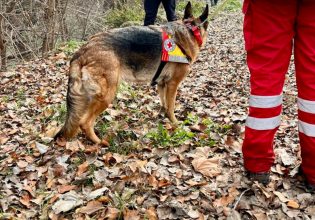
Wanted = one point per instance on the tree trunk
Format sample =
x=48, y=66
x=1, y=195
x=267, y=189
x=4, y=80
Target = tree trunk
x=5, y=8
x=49, y=37
x=3, y=54
x=61, y=11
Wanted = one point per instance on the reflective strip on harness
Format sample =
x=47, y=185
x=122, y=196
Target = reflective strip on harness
x=307, y=129
x=265, y=101
x=306, y=105
x=263, y=123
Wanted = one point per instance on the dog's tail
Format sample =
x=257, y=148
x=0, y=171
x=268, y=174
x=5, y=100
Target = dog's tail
x=77, y=102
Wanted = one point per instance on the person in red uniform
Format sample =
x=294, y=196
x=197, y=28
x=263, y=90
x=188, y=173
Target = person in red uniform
x=272, y=28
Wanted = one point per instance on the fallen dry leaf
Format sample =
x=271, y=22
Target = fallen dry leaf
x=22, y=164
x=67, y=202
x=112, y=213
x=293, y=204
x=208, y=167
x=91, y=207
x=131, y=214
x=281, y=197
x=82, y=168
x=65, y=188
x=151, y=213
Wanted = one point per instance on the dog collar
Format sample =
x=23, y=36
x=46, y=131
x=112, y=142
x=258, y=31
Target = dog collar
x=196, y=32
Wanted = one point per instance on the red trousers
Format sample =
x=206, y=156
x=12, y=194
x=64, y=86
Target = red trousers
x=272, y=28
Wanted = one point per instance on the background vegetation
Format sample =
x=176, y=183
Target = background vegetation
x=31, y=28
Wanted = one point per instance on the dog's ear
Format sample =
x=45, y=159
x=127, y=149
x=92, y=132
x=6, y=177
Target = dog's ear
x=205, y=14
x=188, y=11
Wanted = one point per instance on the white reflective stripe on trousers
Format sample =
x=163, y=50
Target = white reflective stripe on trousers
x=307, y=129
x=265, y=101
x=306, y=105
x=263, y=123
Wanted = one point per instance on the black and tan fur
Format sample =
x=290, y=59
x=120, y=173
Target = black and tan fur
x=131, y=54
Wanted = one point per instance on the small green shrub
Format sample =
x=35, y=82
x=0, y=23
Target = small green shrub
x=198, y=7
x=126, y=13
x=233, y=5
x=69, y=47
x=123, y=142
x=164, y=138
x=60, y=113
x=72, y=45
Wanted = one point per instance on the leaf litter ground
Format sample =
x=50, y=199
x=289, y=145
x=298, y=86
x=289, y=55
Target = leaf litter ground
x=151, y=170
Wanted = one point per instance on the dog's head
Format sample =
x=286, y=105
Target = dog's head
x=198, y=26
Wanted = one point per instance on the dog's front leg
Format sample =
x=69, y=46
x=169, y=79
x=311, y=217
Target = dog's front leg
x=162, y=92
x=171, y=91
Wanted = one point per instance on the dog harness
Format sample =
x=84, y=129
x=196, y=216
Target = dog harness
x=171, y=52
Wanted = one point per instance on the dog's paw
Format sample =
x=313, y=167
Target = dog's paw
x=162, y=111
x=175, y=123
x=105, y=143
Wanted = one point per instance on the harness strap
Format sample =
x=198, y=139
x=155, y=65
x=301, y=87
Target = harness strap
x=158, y=73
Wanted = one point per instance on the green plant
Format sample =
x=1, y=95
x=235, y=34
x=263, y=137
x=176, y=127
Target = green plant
x=163, y=137
x=5, y=99
x=126, y=89
x=103, y=125
x=191, y=119
x=69, y=47
x=233, y=5
x=198, y=7
x=122, y=201
x=125, y=13
x=60, y=113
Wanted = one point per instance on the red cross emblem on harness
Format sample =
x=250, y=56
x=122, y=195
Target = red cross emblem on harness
x=169, y=45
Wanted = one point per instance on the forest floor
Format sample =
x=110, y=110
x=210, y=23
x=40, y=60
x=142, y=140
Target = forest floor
x=151, y=170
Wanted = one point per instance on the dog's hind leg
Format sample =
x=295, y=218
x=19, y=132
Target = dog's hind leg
x=96, y=107
x=88, y=122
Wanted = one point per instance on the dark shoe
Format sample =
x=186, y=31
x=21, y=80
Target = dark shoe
x=308, y=187
x=263, y=178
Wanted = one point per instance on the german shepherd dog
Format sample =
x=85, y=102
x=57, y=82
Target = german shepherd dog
x=132, y=54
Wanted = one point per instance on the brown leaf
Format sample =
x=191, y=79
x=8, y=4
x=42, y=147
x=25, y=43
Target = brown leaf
x=92, y=149
x=163, y=183
x=3, y=138
x=74, y=146
x=194, y=183
x=109, y=159
x=260, y=216
x=25, y=199
x=104, y=199
x=208, y=167
x=22, y=164
x=66, y=188
x=198, y=127
x=293, y=204
x=131, y=214
x=151, y=213
x=91, y=207
x=228, y=199
x=58, y=170
x=112, y=213
x=82, y=168
x=138, y=165
x=281, y=196
x=61, y=142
